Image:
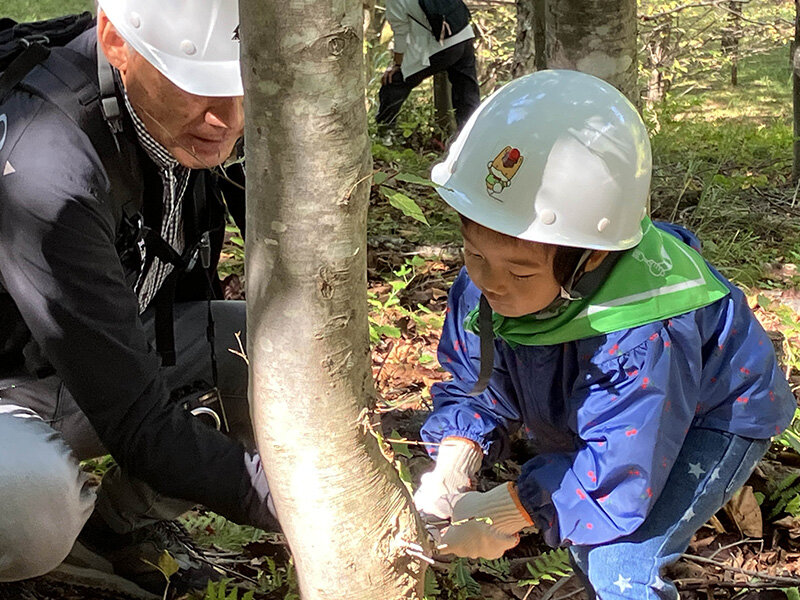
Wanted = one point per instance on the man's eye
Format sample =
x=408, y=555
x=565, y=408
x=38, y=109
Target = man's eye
x=521, y=276
x=472, y=254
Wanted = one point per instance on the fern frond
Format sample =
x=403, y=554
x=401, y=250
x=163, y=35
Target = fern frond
x=548, y=566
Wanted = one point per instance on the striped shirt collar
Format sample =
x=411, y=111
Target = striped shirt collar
x=155, y=150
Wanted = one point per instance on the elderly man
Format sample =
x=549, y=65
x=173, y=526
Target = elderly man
x=113, y=188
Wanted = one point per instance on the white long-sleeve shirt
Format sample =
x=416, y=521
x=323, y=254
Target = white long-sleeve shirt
x=413, y=39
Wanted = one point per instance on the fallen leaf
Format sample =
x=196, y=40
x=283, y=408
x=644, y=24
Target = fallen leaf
x=744, y=511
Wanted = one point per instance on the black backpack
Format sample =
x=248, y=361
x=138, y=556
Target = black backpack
x=24, y=45
x=445, y=17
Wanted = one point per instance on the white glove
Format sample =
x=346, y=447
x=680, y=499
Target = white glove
x=456, y=465
x=485, y=525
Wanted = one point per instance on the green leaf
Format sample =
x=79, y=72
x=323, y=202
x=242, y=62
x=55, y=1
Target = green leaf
x=167, y=564
x=431, y=585
x=411, y=178
x=399, y=449
x=389, y=331
x=405, y=475
x=459, y=573
x=424, y=359
x=763, y=301
x=417, y=261
x=378, y=177
x=792, y=593
x=403, y=203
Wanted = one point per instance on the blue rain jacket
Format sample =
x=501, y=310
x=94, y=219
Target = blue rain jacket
x=608, y=414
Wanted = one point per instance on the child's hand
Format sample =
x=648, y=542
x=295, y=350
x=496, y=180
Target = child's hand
x=456, y=465
x=485, y=525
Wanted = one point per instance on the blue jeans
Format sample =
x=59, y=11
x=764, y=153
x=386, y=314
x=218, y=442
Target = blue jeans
x=710, y=468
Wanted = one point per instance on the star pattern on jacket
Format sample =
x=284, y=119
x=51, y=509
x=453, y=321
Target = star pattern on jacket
x=696, y=470
x=623, y=583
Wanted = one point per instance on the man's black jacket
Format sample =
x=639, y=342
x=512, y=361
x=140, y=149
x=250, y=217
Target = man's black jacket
x=64, y=286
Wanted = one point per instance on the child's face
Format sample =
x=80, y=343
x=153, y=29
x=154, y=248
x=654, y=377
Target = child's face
x=516, y=276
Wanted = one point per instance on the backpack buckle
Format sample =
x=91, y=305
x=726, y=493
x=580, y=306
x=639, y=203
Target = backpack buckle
x=29, y=40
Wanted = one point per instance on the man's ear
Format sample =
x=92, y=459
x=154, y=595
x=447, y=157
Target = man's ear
x=111, y=43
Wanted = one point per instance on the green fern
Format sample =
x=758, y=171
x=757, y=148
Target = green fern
x=786, y=496
x=547, y=567
x=218, y=590
x=500, y=568
x=211, y=528
x=432, y=589
x=462, y=577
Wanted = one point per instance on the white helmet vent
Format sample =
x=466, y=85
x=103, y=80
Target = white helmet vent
x=601, y=226
x=548, y=217
x=135, y=20
x=188, y=47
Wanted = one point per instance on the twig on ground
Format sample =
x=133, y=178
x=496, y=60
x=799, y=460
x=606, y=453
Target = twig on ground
x=791, y=581
x=739, y=543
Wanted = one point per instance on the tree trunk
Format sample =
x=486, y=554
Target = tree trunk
x=658, y=50
x=730, y=37
x=529, y=47
x=443, y=103
x=597, y=37
x=796, y=93
x=343, y=509
x=525, y=44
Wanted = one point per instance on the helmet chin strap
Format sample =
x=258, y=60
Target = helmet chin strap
x=567, y=292
x=486, y=333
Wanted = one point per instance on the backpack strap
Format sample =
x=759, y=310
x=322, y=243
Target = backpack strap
x=20, y=67
x=64, y=80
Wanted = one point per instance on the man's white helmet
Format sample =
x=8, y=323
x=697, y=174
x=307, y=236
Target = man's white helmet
x=558, y=157
x=193, y=43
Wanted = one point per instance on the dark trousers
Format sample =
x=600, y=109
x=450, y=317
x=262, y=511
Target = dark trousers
x=459, y=62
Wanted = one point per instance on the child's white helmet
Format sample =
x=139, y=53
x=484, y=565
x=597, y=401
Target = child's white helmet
x=558, y=157
x=194, y=44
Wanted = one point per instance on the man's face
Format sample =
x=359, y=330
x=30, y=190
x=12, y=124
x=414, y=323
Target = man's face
x=199, y=131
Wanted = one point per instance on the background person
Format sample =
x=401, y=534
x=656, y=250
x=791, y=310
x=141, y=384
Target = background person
x=418, y=55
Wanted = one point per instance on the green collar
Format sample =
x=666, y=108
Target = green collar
x=659, y=278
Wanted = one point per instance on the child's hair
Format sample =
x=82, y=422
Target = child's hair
x=565, y=258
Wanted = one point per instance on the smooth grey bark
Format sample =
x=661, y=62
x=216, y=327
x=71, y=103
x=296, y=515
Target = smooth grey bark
x=343, y=509
x=529, y=46
x=596, y=37
x=796, y=94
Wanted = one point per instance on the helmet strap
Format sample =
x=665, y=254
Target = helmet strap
x=486, y=333
x=567, y=292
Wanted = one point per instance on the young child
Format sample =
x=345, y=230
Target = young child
x=639, y=373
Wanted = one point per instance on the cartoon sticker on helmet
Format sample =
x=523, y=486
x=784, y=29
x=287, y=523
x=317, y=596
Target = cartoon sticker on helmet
x=502, y=169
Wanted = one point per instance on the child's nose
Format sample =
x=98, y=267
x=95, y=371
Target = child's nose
x=493, y=282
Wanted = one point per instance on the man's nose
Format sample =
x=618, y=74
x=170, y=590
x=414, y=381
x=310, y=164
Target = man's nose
x=227, y=113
